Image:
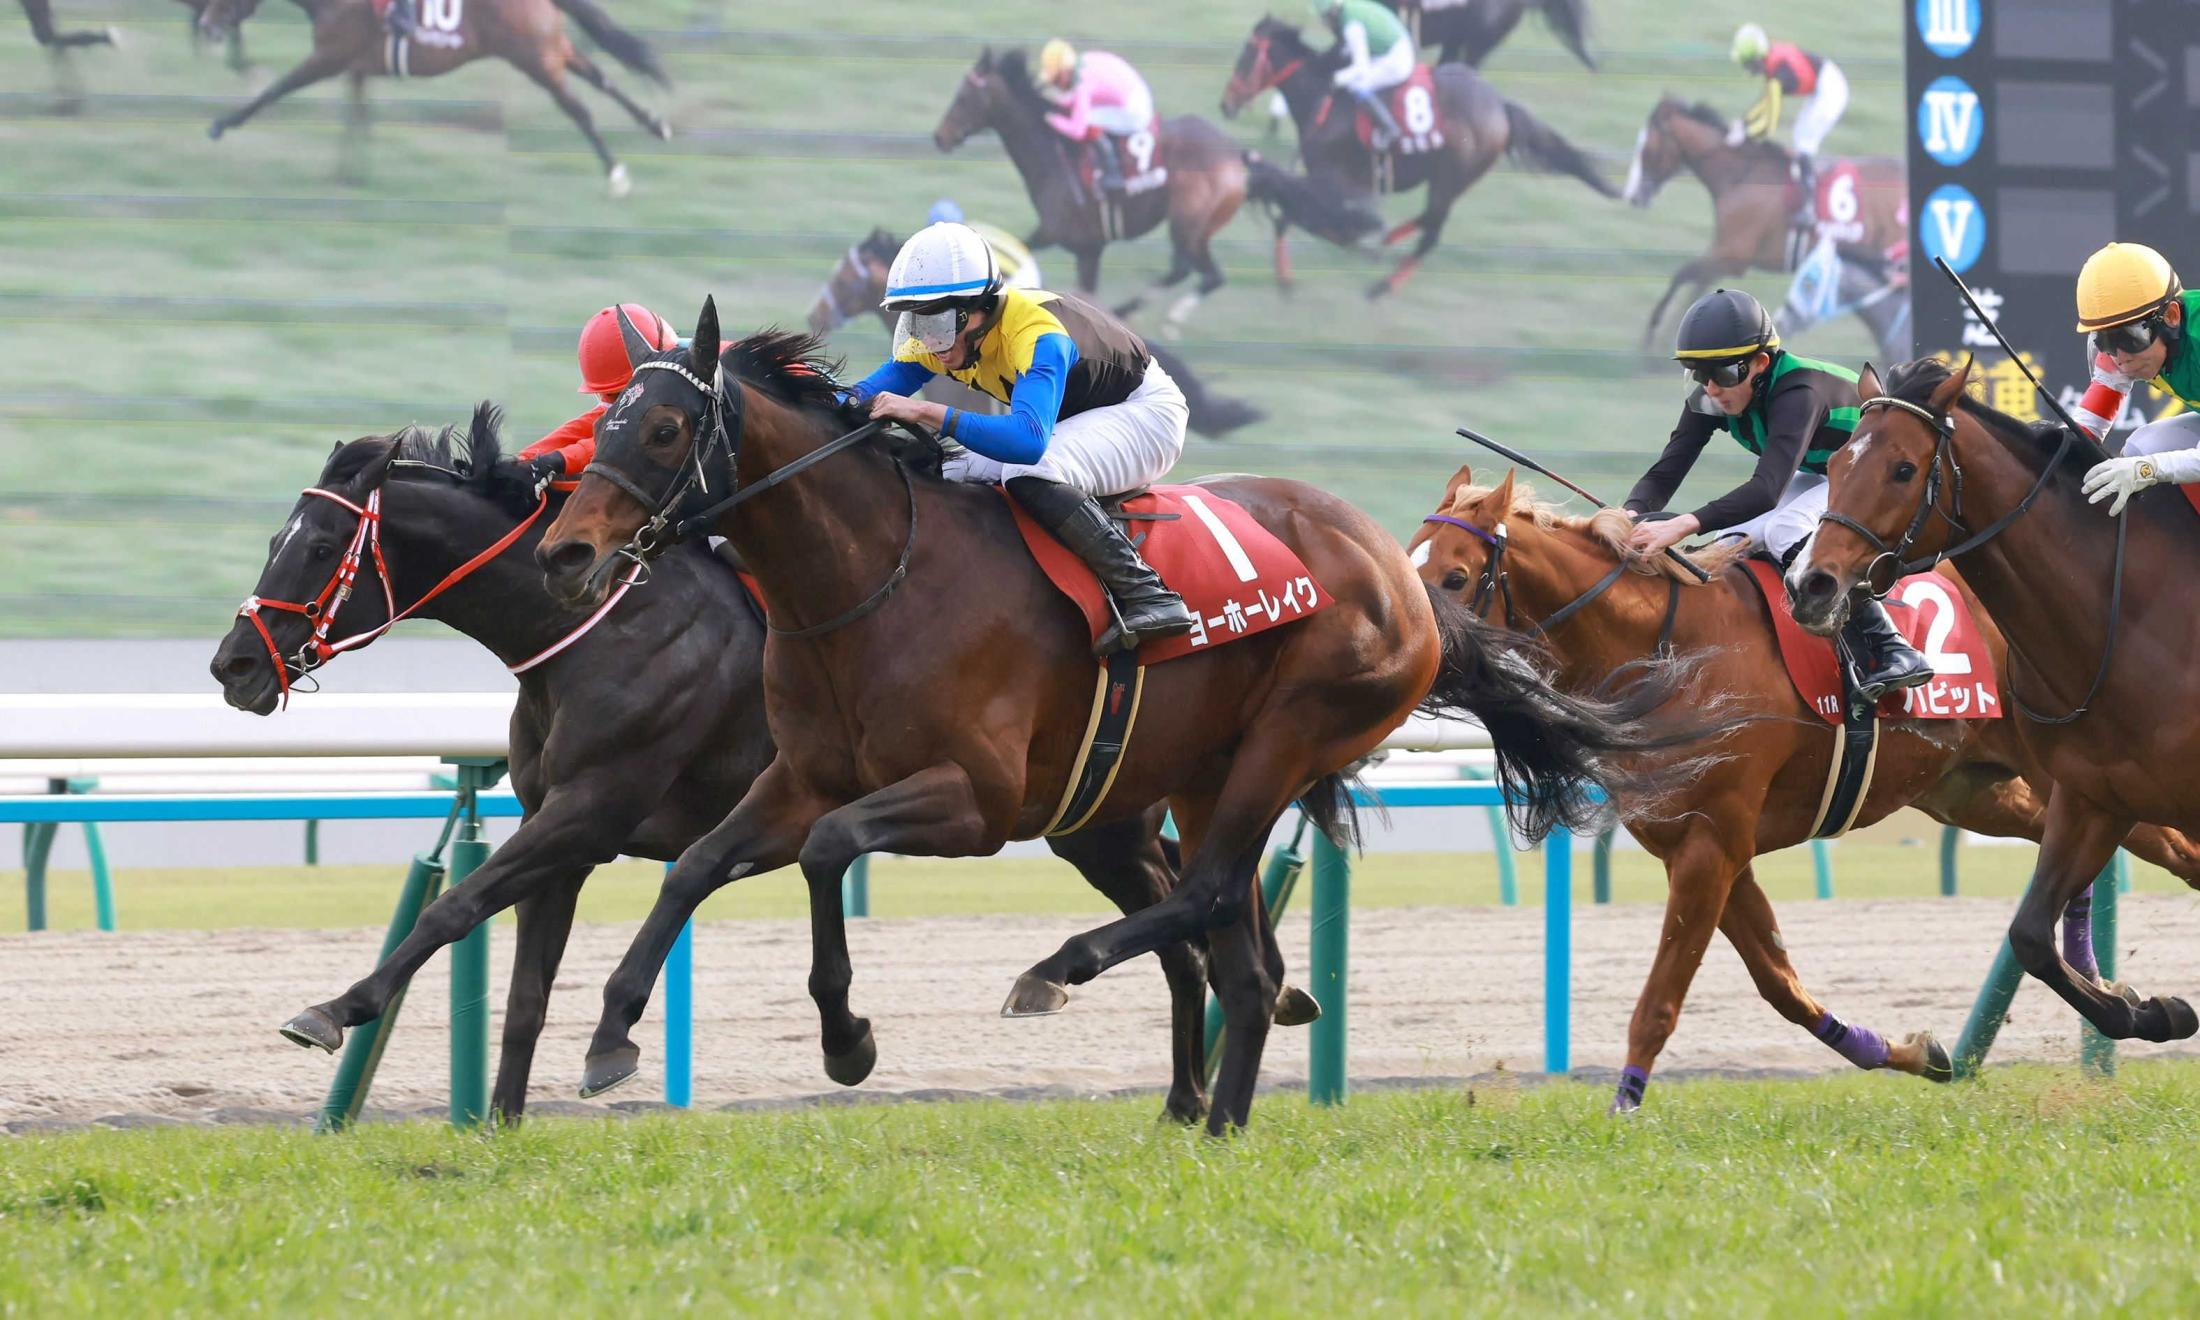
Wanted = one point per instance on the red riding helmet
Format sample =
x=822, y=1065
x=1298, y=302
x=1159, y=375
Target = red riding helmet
x=614, y=340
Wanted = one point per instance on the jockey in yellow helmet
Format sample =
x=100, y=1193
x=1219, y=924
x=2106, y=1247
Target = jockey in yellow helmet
x=2137, y=317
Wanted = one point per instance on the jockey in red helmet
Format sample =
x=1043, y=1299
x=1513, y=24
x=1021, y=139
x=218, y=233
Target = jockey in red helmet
x=612, y=342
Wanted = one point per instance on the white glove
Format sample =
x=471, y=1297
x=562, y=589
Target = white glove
x=1737, y=133
x=2121, y=478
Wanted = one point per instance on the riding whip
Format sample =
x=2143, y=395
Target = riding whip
x=1513, y=455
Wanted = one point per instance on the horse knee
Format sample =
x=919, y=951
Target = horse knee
x=2034, y=947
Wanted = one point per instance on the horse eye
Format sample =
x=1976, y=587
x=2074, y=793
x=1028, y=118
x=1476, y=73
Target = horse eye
x=1455, y=580
x=323, y=551
x=1904, y=470
x=664, y=434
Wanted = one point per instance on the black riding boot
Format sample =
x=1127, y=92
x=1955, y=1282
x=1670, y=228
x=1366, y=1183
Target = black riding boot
x=1806, y=182
x=1144, y=609
x=1387, y=133
x=1889, y=662
x=1107, y=163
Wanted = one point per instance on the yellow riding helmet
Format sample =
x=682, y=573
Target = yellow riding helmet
x=1750, y=44
x=1057, y=61
x=2123, y=282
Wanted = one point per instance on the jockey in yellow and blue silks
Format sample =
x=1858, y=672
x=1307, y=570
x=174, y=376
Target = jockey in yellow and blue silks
x=1090, y=413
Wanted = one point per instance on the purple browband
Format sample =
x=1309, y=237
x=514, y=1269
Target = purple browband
x=1462, y=524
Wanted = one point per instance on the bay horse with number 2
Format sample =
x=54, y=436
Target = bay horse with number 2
x=929, y=688
x=1564, y=577
x=2102, y=681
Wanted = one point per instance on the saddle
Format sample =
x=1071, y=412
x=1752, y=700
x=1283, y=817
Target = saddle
x=1935, y=618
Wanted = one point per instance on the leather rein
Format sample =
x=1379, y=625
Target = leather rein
x=672, y=517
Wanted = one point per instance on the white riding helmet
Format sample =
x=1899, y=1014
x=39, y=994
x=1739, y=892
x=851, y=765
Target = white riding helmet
x=1750, y=43
x=943, y=273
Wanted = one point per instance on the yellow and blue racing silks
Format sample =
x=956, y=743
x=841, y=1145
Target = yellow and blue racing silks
x=1048, y=356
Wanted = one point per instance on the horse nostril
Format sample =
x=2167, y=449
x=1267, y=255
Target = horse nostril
x=566, y=558
x=1818, y=584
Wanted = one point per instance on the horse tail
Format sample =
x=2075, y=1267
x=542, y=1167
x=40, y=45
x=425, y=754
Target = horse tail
x=1538, y=143
x=1570, y=20
x=1212, y=414
x=1295, y=200
x=1330, y=806
x=1555, y=748
x=623, y=45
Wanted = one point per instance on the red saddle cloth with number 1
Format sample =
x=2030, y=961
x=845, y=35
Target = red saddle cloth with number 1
x=1935, y=618
x=1233, y=573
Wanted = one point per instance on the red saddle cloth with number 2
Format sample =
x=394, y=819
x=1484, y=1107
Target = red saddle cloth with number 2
x=1935, y=618
x=1232, y=572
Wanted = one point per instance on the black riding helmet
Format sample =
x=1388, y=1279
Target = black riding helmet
x=1719, y=335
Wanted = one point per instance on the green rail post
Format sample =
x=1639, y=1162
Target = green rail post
x=37, y=848
x=1991, y=1008
x=1277, y=884
x=313, y=843
x=2122, y=866
x=103, y=884
x=855, y=888
x=1950, y=839
x=1601, y=869
x=363, y=1050
x=470, y=956
x=2096, y=1052
x=1325, y=1074
x=1821, y=865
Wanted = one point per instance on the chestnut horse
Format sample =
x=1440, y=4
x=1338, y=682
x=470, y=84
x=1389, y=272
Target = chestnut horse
x=1564, y=573
x=349, y=38
x=1206, y=183
x=604, y=768
x=1752, y=207
x=2101, y=664
x=1336, y=199
x=929, y=688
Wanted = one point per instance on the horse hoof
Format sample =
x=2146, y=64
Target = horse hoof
x=605, y=1071
x=214, y=130
x=1379, y=290
x=314, y=1029
x=663, y=129
x=851, y=1068
x=113, y=36
x=2124, y=992
x=1035, y=996
x=2167, y=1018
x=1182, y=1113
x=1938, y=1066
x=1295, y=1007
x=618, y=182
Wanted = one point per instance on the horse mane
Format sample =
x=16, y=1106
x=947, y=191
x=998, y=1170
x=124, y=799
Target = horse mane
x=1015, y=71
x=1703, y=112
x=879, y=243
x=1272, y=27
x=793, y=364
x=1914, y=382
x=470, y=458
x=1609, y=528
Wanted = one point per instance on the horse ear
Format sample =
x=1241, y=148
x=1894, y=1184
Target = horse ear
x=1501, y=499
x=985, y=60
x=1867, y=382
x=703, y=349
x=1460, y=480
x=1951, y=389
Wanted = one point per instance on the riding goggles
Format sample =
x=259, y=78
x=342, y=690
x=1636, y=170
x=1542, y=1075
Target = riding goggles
x=1725, y=375
x=2132, y=336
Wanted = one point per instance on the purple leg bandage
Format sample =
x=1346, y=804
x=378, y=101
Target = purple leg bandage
x=2078, y=935
x=1628, y=1098
x=1859, y=1045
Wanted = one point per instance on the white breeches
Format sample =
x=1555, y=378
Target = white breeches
x=1817, y=115
x=1105, y=451
x=1791, y=521
x=1384, y=71
x=2179, y=432
x=1122, y=120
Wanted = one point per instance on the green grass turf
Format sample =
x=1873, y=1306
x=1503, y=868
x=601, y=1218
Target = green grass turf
x=2029, y=1193
x=312, y=897
x=188, y=325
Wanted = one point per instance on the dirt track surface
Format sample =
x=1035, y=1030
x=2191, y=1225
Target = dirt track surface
x=180, y=1026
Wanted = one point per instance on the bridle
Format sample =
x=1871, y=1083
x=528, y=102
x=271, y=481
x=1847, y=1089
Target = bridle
x=1496, y=584
x=366, y=544
x=1277, y=75
x=674, y=515
x=1896, y=555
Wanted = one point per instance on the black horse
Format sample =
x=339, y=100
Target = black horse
x=605, y=763
x=1466, y=31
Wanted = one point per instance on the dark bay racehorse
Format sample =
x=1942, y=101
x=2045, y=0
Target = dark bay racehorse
x=2102, y=683
x=603, y=766
x=929, y=688
x=1206, y=183
x=40, y=13
x=1466, y=31
x=350, y=39
x=1768, y=790
x=1336, y=199
x=1752, y=207
x=858, y=282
